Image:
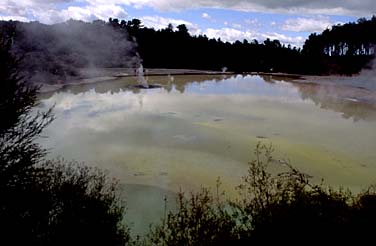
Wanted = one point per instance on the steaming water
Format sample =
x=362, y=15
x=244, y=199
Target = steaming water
x=141, y=77
x=196, y=128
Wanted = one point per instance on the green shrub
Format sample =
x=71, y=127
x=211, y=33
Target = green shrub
x=284, y=208
x=47, y=202
x=287, y=207
x=200, y=220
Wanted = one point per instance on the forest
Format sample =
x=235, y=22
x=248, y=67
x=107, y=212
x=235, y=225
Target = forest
x=57, y=52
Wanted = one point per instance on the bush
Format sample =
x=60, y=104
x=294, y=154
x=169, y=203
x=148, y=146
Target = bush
x=285, y=208
x=47, y=202
x=61, y=203
x=200, y=220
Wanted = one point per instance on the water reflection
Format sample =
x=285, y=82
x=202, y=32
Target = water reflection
x=216, y=115
x=353, y=102
x=169, y=83
x=196, y=128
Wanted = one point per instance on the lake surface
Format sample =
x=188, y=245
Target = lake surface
x=199, y=127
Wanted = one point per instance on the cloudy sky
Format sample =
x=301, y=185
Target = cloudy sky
x=290, y=21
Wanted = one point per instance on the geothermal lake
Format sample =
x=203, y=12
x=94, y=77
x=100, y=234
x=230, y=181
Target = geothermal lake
x=199, y=127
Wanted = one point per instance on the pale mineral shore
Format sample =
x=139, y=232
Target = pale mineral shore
x=357, y=87
x=101, y=75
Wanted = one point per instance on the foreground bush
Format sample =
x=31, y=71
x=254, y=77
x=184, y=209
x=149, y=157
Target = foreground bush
x=200, y=220
x=47, y=202
x=62, y=203
x=285, y=208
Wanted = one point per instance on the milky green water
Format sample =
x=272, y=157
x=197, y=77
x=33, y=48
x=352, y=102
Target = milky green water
x=197, y=128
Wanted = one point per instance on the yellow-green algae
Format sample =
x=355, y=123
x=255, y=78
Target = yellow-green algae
x=197, y=128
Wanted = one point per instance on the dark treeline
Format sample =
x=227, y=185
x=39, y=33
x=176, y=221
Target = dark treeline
x=170, y=48
x=351, y=39
x=60, y=50
x=342, y=49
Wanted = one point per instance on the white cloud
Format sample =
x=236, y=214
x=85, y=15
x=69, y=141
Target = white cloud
x=19, y=8
x=14, y=18
x=297, y=41
x=254, y=23
x=332, y=7
x=88, y=9
x=86, y=13
x=307, y=24
x=206, y=16
x=237, y=26
x=231, y=35
x=158, y=22
x=47, y=11
x=225, y=34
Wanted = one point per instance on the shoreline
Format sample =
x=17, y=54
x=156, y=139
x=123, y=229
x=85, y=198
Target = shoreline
x=357, y=82
x=99, y=78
